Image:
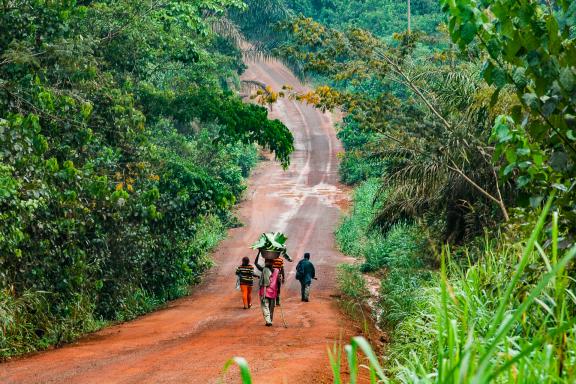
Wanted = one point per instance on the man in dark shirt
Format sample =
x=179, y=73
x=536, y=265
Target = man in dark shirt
x=305, y=273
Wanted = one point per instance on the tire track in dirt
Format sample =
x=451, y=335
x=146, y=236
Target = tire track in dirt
x=191, y=338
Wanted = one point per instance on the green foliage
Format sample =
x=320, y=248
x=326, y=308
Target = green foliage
x=272, y=241
x=400, y=252
x=530, y=48
x=408, y=271
x=520, y=327
x=431, y=147
x=381, y=17
x=354, y=233
x=399, y=249
x=123, y=148
x=359, y=162
x=352, y=284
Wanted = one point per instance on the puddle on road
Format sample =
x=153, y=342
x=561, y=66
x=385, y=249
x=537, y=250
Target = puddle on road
x=327, y=194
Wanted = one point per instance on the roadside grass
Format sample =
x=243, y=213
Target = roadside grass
x=355, y=295
x=499, y=320
x=399, y=254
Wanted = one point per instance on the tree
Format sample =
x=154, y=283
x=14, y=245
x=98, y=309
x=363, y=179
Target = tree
x=439, y=161
x=529, y=48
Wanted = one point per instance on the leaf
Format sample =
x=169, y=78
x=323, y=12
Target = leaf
x=519, y=77
x=499, y=77
x=522, y=181
x=567, y=79
x=536, y=201
x=468, y=32
x=271, y=240
x=494, y=98
x=538, y=159
x=512, y=48
x=560, y=187
x=487, y=71
x=509, y=168
x=549, y=105
x=559, y=161
x=510, y=155
x=244, y=369
x=570, y=121
x=503, y=132
x=530, y=99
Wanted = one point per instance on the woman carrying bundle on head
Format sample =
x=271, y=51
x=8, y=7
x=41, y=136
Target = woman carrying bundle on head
x=268, y=291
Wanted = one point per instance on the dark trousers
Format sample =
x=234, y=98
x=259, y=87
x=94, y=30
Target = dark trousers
x=305, y=289
x=279, y=287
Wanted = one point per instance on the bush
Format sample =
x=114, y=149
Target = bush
x=121, y=159
x=358, y=163
x=400, y=252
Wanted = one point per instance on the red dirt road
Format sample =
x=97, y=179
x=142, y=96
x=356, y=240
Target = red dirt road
x=190, y=340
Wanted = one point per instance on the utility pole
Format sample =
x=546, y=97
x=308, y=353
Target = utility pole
x=409, y=28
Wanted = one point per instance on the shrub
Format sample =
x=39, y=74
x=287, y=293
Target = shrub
x=353, y=233
x=401, y=252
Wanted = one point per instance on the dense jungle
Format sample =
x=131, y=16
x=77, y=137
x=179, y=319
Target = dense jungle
x=135, y=136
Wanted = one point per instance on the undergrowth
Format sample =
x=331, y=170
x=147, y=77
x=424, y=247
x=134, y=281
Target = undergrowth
x=28, y=323
x=399, y=254
x=508, y=318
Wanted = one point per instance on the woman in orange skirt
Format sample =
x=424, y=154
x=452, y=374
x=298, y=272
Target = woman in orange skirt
x=246, y=274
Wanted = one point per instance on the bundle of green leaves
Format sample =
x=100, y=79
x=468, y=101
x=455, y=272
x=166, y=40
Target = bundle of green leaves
x=271, y=241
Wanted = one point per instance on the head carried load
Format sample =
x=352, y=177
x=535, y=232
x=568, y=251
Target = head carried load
x=272, y=245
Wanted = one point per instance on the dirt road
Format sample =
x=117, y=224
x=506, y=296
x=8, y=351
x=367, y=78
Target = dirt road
x=190, y=340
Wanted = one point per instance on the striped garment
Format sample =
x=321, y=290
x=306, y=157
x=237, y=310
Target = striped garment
x=278, y=263
x=246, y=273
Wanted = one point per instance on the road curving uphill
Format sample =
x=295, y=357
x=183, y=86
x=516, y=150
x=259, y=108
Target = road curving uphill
x=190, y=340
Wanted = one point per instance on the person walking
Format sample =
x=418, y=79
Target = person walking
x=278, y=263
x=268, y=291
x=245, y=273
x=305, y=273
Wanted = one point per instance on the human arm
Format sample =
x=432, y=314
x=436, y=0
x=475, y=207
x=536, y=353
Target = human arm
x=260, y=268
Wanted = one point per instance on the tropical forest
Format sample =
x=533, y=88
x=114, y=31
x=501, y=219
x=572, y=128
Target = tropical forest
x=387, y=186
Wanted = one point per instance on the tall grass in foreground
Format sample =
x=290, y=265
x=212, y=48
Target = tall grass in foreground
x=493, y=323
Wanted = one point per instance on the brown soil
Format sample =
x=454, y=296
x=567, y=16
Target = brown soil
x=190, y=340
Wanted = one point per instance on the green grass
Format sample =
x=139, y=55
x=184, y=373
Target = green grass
x=354, y=235
x=509, y=318
x=399, y=253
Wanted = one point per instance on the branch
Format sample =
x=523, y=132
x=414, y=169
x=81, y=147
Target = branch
x=417, y=91
x=499, y=201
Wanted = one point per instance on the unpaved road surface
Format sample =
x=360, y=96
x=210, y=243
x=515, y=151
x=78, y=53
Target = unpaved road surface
x=190, y=340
